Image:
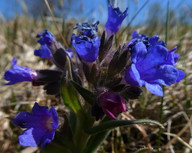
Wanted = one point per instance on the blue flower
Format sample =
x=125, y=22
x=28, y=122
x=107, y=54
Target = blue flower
x=86, y=43
x=152, y=64
x=40, y=126
x=115, y=19
x=19, y=74
x=46, y=40
x=46, y=37
x=89, y=30
x=44, y=52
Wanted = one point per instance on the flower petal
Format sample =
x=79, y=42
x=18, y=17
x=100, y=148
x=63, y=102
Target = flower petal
x=181, y=75
x=22, y=119
x=167, y=74
x=54, y=118
x=27, y=138
x=154, y=41
x=35, y=136
x=44, y=52
x=155, y=57
x=139, y=53
x=132, y=76
x=134, y=34
x=110, y=114
x=40, y=110
x=154, y=88
x=87, y=50
x=172, y=57
x=47, y=138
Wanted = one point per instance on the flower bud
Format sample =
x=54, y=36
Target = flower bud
x=115, y=19
x=112, y=104
x=19, y=73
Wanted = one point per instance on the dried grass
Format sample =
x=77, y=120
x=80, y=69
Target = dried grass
x=17, y=39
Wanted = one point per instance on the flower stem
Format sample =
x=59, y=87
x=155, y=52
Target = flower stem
x=161, y=120
x=162, y=99
x=96, y=141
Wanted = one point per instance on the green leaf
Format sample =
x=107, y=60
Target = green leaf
x=72, y=121
x=70, y=98
x=117, y=123
x=86, y=94
x=95, y=141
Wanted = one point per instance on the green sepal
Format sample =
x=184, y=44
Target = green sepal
x=118, y=62
x=86, y=94
x=70, y=97
x=118, y=123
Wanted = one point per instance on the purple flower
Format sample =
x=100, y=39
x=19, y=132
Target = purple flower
x=19, y=74
x=40, y=126
x=112, y=104
x=152, y=64
x=46, y=40
x=86, y=43
x=87, y=49
x=44, y=52
x=89, y=30
x=115, y=19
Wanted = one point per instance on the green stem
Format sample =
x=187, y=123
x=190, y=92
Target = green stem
x=95, y=141
x=161, y=120
x=81, y=138
x=162, y=99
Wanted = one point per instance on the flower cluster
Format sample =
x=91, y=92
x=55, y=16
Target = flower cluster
x=105, y=79
x=87, y=42
x=152, y=64
x=46, y=39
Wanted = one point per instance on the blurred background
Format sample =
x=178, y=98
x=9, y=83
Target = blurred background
x=91, y=10
x=22, y=20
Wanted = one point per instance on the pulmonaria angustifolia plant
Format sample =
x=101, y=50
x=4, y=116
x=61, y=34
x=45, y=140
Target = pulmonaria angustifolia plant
x=95, y=80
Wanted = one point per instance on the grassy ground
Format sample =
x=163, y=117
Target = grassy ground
x=17, y=39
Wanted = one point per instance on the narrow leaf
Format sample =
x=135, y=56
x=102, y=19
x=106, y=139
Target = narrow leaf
x=86, y=94
x=118, y=123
